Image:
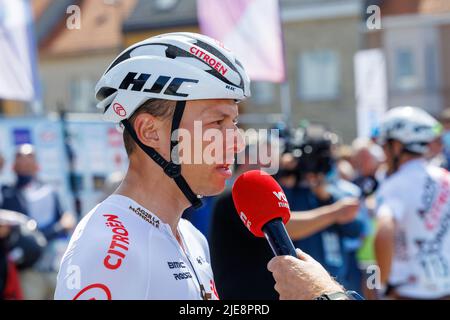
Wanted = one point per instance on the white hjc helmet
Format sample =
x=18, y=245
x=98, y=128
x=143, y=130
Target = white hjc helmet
x=411, y=126
x=174, y=66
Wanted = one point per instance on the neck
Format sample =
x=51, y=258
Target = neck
x=148, y=185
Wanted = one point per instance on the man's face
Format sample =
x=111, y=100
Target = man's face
x=213, y=139
x=365, y=162
x=26, y=165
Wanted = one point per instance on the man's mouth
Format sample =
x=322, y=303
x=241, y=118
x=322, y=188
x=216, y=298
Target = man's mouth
x=224, y=170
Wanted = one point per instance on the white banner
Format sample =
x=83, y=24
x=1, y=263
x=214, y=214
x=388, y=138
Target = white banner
x=370, y=89
x=17, y=51
x=249, y=28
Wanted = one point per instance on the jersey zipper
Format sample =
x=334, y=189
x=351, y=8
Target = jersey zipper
x=184, y=250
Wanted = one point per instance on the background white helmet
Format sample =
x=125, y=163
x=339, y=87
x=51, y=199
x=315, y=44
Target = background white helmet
x=411, y=126
x=172, y=66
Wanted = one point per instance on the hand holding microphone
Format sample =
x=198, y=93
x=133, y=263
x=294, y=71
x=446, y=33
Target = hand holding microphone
x=301, y=279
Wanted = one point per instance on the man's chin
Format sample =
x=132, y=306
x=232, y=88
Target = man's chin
x=215, y=189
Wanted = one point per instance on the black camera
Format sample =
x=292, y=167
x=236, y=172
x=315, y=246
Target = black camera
x=311, y=148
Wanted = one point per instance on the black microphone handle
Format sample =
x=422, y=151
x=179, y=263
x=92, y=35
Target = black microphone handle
x=278, y=238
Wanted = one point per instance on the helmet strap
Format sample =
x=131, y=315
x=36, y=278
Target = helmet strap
x=171, y=169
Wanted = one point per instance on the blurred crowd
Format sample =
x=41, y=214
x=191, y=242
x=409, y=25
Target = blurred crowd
x=34, y=231
x=331, y=188
x=332, y=191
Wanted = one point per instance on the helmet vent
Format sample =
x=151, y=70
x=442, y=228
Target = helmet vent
x=105, y=92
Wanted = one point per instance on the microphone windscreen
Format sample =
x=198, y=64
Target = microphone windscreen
x=258, y=199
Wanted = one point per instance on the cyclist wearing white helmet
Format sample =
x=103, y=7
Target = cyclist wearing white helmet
x=412, y=242
x=134, y=245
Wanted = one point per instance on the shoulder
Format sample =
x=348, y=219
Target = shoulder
x=108, y=247
x=108, y=228
x=438, y=172
x=392, y=184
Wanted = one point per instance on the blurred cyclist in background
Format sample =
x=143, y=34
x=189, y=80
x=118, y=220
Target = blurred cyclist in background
x=34, y=198
x=412, y=243
x=38, y=201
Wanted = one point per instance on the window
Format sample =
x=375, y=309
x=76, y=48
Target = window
x=82, y=95
x=405, y=71
x=263, y=93
x=318, y=75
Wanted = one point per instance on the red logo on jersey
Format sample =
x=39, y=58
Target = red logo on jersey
x=119, y=242
x=96, y=291
x=119, y=110
x=433, y=216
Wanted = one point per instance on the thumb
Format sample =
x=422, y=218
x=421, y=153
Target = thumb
x=302, y=255
x=271, y=264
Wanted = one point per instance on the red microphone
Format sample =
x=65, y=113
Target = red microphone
x=264, y=209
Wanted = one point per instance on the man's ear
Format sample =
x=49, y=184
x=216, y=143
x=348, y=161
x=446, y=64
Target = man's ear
x=146, y=127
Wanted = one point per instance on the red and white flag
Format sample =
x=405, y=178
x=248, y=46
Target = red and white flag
x=251, y=29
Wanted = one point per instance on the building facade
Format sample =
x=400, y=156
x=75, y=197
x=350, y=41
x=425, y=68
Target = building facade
x=72, y=59
x=415, y=38
x=321, y=38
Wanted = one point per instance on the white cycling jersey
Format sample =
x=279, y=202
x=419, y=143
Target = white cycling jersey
x=417, y=196
x=120, y=250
